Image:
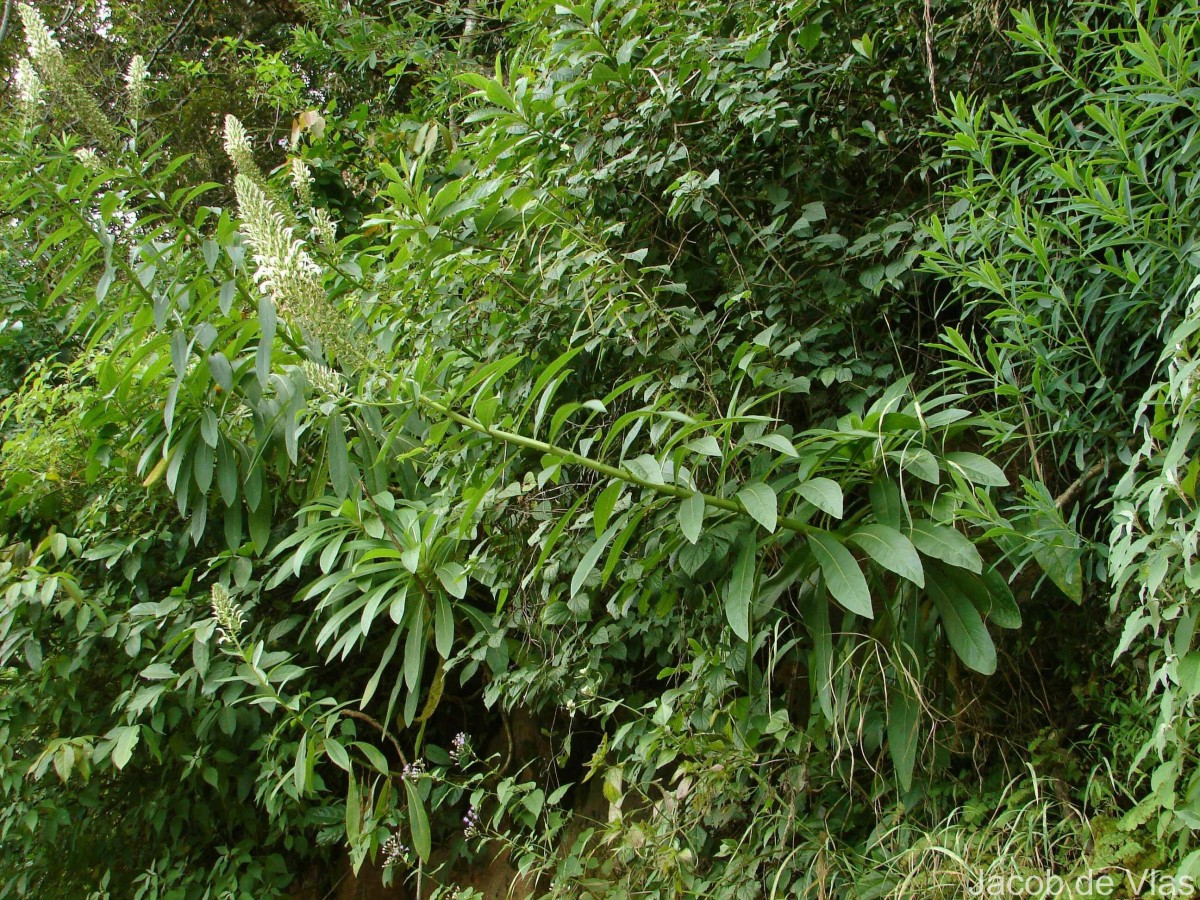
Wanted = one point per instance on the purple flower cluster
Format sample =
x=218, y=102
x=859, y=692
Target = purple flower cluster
x=471, y=823
x=460, y=750
x=393, y=850
x=414, y=770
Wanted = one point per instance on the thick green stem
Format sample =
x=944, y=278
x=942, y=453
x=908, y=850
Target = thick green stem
x=570, y=456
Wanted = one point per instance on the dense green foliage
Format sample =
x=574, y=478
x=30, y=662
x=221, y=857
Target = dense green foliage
x=630, y=448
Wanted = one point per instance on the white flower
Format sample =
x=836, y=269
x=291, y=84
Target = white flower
x=227, y=613
x=43, y=47
x=135, y=82
x=302, y=181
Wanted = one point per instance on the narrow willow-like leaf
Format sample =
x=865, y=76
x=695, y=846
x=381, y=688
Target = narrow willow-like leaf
x=739, y=590
x=902, y=721
x=591, y=557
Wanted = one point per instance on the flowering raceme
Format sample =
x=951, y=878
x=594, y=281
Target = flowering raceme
x=46, y=54
x=288, y=275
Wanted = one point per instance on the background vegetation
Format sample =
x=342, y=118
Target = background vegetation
x=632, y=448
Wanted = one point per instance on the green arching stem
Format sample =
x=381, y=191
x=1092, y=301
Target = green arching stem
x=570, y=456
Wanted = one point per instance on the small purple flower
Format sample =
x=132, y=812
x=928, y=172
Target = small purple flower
x=471, y=823
x=413, y=770
x=394, y=850
x=460, y=750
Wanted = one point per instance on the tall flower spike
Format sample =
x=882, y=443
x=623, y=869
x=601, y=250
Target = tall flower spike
x=43, y=46
x=30, y=91
x=227, y=613
x=302, y=182
x=135, y=83
x=289, y=276
x=237, y=145
x=73, y=99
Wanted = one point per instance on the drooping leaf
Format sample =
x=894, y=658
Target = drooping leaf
x=418, y=822
x=964, y=626
x=892, y=550
x=691, y=517
x=739, y=590
x=823, y=493
x=903, y=733
x=841, y=572
x=761, y=504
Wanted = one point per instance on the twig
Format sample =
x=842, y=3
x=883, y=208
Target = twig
x=174, y=34
x=362, y=716
x=929, y=53
x=1061, y=501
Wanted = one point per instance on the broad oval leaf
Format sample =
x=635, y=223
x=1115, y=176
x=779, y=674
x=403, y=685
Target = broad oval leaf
x=964, y=626
x=760, y=503
x=842, y=575
x=823, y=493
x=947, y=544
x=977, y=469
x=892, y=550
x=691, y=517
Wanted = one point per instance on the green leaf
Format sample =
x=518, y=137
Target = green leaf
x=760, y=503
x=691, y=517
x=453, y=578
x=778, y=443
x=887, y=502
x=353, y=811
x=443, y=626
x=823, y=493
x=947, y=544
x=892, y=550
x=977, y=469
x=127, y=739
x=739, y=590
x=903, y=718
x=418, y=821
x=816, y=620
x=300, y=769
x=339, y=457
x=337, y=754
x=964, y=626
x=706, y=446
x=604, y=506
x=998, y=604
x=588, y=563
x=921, y=463
x=842, y=575
x=414, y=649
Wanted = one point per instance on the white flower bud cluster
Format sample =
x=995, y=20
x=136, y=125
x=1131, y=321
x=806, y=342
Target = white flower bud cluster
x=74, y=101
x=302, y=182
x=30, y=91
x=227, y=613
x=135, y=83
x=288, y=275
x=89, y=159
